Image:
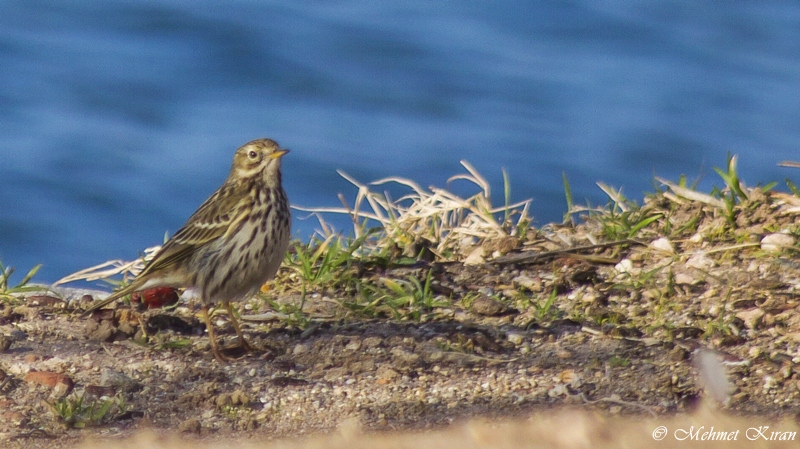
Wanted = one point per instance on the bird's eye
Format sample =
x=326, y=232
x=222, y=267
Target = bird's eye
x=252, y=154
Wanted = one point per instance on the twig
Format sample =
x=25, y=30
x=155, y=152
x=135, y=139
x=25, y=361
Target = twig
x=533, y=256
x=620, y=402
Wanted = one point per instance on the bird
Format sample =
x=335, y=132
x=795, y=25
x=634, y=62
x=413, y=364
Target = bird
x=231, y=245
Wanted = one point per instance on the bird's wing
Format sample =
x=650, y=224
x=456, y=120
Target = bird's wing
x=213, y=219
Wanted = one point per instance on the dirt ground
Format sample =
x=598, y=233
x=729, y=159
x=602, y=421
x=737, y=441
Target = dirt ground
x=384, y=375
x=611, y=330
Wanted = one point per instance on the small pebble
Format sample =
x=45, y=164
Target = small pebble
x=624, y=266
x=775, y=243
x=663, y=244
x=701, y=262
x=515, y=338
x=191, y=425
x=486, y=306
x=752, y=318
x=5, y=343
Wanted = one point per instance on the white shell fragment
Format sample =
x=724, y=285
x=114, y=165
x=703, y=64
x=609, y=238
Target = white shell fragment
x=775, y=243
x=624, y=266
x=663, y=244
x=700, y=261
x=476, y=257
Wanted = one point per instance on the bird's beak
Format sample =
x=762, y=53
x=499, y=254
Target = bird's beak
x=278, y=154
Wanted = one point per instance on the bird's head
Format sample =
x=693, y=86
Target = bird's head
x=260, y=157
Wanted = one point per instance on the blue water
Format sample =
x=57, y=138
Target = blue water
x=117, y=119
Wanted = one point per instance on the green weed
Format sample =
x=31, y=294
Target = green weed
x=320, y=262
x=544, y=309
x=618, y=362
x=9, y=293
x=404, y=299
x=77, y=412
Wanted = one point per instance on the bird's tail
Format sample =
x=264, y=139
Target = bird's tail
x=130, y=288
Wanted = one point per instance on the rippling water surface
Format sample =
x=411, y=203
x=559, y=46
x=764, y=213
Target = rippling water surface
x=117, y=119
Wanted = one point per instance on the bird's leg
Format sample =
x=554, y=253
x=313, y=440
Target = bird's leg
x=242, y=342
x=211, y=337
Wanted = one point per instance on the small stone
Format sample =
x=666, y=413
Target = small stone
x=476, y=257
x=18, y=335
x=663, y=244
x=528, y=282
x=405, y=356
x=61, y=389
x=223, y=400
x=435, y=355
x=751, y=318
x=372, y=342
x=299, y=349
x=696, y=238
x=60, y=383
x=240, y=398
x=557, y=390
x=118, y=380
x=685, y=279
x=5, y=343
x=700, y=261
x=101, y=332
x=191, y=425
x=678, y=354
x=515, y=338
x=563, y=354
x=334, y=374
x=484, y=305
x=770, y=383
x=386, y=373
x=127, y=329
x=775, y=243
x=625, y=266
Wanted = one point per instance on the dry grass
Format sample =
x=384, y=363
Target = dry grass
x=449, y=223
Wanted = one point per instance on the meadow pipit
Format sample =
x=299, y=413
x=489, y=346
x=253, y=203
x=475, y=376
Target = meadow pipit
x=232, y=244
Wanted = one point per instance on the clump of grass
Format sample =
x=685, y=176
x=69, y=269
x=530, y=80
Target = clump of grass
x=621, y=219
x=9, y=292
x=403, y=299
x=409, y=298
x=618, y=362
x=76, y=411
x=320, y=262
x=734, y=192
x=431, y=219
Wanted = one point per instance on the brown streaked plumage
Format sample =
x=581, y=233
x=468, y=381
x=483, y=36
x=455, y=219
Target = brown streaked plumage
x=232, y=244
